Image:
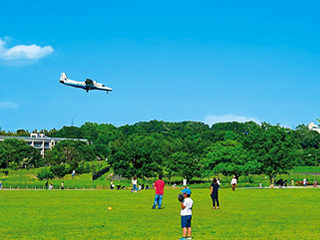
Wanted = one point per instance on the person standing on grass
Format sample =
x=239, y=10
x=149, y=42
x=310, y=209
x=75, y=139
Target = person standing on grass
x=159, y=186
x=234, y=183
x=186, y=214
x=0, y=185
x=214, y=193
x=47, y=185
x=111, y=185
x=134, y=184
x=62, y=185
x=304, y=182
x=218, y=182
x=314, y=184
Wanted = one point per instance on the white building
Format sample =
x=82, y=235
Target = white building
x=41, y=142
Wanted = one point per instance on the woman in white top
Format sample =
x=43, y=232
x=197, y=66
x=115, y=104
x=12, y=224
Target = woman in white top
x=234, y=182
x=134, y=184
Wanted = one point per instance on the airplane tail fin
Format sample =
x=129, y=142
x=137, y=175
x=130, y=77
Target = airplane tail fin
x=63, y=76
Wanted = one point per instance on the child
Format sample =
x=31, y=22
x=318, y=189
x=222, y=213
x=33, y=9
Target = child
x=234, y=183
x=186, y=214
x=111, y=185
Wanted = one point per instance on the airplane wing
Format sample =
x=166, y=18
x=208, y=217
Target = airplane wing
x=89, y=82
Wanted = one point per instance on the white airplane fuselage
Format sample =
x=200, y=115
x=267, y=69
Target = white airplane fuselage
x=86, y=85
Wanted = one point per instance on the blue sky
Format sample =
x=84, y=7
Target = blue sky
x=208, y=61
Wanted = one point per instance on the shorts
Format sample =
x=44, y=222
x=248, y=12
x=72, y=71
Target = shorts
x=186, y=221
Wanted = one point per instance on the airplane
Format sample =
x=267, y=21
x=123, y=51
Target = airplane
x=87, y=85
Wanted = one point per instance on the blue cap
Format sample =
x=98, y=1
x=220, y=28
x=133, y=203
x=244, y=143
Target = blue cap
x=186, y=190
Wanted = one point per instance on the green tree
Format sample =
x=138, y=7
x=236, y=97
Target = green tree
x=70, y=154
x=45, y=173
x=9, y=154
x=107, y=133
x=58, y=170
x=2, y=155
x=67, y=132
x=89, y=131
x=229, y=158
x=274, y=147
x=140, y=156
x=307, y=138
x=312, y=157
x=232, y=130
x=19, y=152
x=77, y=150
x=22, y=132
x=183, y=164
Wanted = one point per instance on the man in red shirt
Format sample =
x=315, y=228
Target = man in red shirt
x=159, y=186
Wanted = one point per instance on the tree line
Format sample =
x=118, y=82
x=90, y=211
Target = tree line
x=175, y=149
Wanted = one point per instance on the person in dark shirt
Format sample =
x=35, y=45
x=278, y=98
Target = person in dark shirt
x=214, y=193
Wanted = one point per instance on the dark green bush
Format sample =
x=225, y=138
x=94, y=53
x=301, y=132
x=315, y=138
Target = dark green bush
x=45, y=174
x=58, y=170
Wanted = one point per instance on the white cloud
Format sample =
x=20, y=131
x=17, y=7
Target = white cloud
x=8, y=105
x=211, y=119
x=23, y=52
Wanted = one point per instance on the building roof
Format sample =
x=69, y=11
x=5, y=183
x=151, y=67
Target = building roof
x=43, y=138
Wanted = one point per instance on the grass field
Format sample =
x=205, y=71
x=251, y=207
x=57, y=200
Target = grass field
x=83, y=214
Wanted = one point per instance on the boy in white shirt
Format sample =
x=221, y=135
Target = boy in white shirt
x=186, y=214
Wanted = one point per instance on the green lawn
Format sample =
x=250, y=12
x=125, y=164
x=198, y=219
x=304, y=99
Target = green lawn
x=78, y=214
